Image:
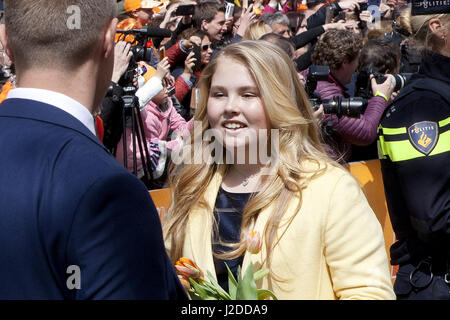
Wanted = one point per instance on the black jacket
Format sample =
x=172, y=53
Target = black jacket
x=415, y=141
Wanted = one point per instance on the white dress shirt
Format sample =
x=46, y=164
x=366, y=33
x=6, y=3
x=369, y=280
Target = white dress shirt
x=57, y=100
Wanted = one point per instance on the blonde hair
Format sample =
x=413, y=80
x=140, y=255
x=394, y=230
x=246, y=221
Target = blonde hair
x=289, y=111
x=423, y=38
x=404, y=19
x=256, y=30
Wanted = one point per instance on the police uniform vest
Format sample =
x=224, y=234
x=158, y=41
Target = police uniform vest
x=414, y=151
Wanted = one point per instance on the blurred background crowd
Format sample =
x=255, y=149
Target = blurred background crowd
x=337, y=48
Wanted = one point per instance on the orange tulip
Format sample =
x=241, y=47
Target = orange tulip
x=189, y=269
x=184, y=282
x=254, y=242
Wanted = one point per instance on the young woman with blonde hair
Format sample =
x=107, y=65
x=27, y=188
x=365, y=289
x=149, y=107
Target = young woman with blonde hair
x=320, y=238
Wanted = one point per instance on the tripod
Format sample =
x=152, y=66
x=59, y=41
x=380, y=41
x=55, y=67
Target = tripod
x=131, y=115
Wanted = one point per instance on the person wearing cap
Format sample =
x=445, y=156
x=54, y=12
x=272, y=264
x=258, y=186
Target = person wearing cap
x=142, y=10
x=139, y=14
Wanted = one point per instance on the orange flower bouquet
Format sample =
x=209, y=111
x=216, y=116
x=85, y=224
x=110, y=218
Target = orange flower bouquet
x=243, y=288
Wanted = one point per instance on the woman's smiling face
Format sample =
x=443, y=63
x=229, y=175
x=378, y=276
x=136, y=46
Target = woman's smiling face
x=235, y=107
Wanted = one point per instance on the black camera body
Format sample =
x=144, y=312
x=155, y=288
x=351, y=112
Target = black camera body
x=364, y=86
x=140, y=53
x=350, y=107
x=139, y=48
x=316, y=73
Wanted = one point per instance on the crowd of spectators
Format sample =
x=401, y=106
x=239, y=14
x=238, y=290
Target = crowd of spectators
x=314, y=32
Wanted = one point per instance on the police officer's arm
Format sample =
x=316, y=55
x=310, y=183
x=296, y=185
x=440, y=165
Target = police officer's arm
x=416, y=183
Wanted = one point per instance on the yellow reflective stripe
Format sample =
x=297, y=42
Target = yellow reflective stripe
x=382, y=145
x=401, y=150
x=444, y=122
x=443, y=144
x=392, y=131
x=381, y=154
x=404, y=150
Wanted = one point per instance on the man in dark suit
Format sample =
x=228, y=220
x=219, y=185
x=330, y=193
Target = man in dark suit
x=74, y=224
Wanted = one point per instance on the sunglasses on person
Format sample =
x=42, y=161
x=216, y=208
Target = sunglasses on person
x=206, y=47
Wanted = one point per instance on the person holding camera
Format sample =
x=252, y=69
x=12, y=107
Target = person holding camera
x=320, y=16
x=339, y=50
x=415, y=153
x=380, y=57
x=196, y=52
x=146, y=84
x=159, y=118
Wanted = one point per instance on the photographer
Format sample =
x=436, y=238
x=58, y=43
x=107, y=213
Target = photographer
x=188, y=72
x=382, y=57
x=111, y=112
x=339, y=50
x=159, y=119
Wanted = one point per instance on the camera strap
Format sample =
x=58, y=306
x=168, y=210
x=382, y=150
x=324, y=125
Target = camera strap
x=339, y=84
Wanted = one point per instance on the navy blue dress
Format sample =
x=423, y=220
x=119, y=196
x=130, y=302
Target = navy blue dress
x=228, y=214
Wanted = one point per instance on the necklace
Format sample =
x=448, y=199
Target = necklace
x=246, y=180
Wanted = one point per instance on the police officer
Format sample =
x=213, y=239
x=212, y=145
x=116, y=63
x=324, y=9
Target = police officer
x=414, y=137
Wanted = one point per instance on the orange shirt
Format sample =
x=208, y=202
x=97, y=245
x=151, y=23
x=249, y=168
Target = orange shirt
x=7, y=87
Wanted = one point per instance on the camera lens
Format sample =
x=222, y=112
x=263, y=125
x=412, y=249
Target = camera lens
x=352, y=107
x=399, y=80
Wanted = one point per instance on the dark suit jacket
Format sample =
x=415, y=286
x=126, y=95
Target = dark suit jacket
x=64, y=200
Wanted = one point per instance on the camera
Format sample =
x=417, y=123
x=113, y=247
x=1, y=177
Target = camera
x=198, y=58
x=140, y=53
x=316, y=73
x=364, y=86
x=350, y=107
x=139, y=49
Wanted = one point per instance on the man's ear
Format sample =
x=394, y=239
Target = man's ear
x=5, y=43
x=109, y=37
x=204, y=26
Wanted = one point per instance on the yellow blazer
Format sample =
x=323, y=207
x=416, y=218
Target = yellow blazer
x=333, y=249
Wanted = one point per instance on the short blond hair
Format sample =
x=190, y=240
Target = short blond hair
x=40, y=33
